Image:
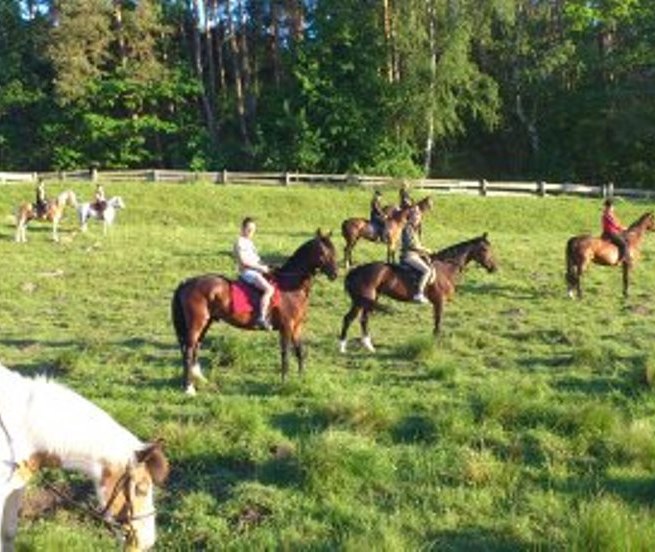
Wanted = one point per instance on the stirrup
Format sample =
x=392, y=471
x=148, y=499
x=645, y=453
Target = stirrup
x=420, y=298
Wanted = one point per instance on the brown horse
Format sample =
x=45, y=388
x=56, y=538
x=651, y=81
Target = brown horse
x=353, y=229
x=53, y=212
x=366, y=282
x=199, y=301
x=583, y=250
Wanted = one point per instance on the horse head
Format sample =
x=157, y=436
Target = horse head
x=67, y=197
x=425, y=204
x=127, y=498
x=325, y=255
x=117, y=202
x=483, y=255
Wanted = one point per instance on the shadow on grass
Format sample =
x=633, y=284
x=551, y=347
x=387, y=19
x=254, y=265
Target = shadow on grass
x=639, y=489
x=496, y=290
x=473, y=539
x=414, y=428
x=294, y=424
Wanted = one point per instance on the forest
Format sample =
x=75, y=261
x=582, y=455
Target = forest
x=559, y=90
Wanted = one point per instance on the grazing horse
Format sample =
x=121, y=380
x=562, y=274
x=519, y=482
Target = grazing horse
x=107, y=215
x=200, y=300
x=44, y=424
x=53, y=212
x=366, y=282
x=583, y=250
x=353, y=229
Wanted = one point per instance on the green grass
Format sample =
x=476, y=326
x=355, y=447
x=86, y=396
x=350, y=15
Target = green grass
x=529, y=424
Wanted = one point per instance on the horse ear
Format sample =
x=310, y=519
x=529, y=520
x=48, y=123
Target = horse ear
x=484, y=236
x=156, y=463
x=319, y=233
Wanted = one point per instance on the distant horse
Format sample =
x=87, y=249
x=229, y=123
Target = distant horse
x=44, y=424
x=107, y=215
x=581, y=251
x=353, y=229
x=366, y=282
x=200, y=300
x=53, y=212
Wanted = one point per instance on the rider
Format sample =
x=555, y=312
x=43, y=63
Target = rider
x=405, y=200
x=252, y=269
x=41, y=201
x=613, y=231
x=412, y=252
x=378, y=218
x=100, y=201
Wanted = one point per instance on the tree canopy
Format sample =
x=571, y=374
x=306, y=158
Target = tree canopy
x=549, y=89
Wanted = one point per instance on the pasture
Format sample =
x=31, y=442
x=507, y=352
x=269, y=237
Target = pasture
x=531, y=423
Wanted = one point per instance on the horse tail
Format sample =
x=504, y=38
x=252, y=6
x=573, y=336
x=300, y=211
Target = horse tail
x=571, y=268
x=177, y=313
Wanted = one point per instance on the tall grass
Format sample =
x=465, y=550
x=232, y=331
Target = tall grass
x=528, y=424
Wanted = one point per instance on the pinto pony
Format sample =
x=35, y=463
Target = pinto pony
x=107, y=215
x=53, y=212
x=44, y=424
x=367, y=282
x=353, y=229
x=201, y=300
x=583, y=250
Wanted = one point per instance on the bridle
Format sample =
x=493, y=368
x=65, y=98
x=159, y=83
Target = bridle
x=121, y=525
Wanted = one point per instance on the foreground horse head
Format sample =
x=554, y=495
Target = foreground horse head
x=201, y=300
x=365, y=283
x=583, y=250
x=43, y=424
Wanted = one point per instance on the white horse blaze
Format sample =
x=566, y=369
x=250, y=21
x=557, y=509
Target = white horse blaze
x=43, y=423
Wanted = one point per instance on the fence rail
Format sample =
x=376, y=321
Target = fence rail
x=473, y=187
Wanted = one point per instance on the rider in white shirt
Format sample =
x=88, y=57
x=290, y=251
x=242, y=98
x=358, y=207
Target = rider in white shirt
x=252, y=270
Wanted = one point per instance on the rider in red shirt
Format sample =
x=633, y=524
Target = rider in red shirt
x=613, y=231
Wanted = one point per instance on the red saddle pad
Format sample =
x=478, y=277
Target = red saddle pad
x=245, y=297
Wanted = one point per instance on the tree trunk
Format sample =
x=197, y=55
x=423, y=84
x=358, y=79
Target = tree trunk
x=238, y=82
x=429, y=141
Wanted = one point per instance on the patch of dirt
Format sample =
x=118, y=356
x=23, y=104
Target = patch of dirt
x=28, y=287
x=251, y=516
x=282, y=451
x=642, y=310
x=58, y=273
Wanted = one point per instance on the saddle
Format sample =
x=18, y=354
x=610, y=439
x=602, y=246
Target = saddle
x=245, y=297
x=99, y=206
x=410, y=275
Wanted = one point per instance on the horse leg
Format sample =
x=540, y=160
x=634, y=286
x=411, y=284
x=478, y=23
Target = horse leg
x=55, y=223
x=348, y=253
x=366, y=338
x=347, y=321
x=437, y=304
x=626, y=279
x=9, y=519
x=192, y=371
x=299, y=349
x=284, y=353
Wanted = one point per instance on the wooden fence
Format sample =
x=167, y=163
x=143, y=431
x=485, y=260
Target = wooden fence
x=480, y=187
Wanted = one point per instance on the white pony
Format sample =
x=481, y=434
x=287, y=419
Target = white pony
x=44, y=424
x=86, y=211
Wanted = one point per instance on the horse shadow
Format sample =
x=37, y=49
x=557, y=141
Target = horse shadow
x=474, y=538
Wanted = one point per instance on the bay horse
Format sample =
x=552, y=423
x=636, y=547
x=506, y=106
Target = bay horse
x=53, y=212
x=353, y=229
x=367, y=282
x=46, y=425
x=201, y=300
x=583, y=250
x=89, y=210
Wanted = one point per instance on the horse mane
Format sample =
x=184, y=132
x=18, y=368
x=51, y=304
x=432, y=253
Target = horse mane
x=640, y=220
x=296, y=262
x=62, y=422
x=447, y=253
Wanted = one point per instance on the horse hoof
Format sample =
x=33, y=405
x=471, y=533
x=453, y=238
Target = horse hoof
x=571, y=294
x=197, y=375
x=368, y=344
x=190, y=390
x=343, y=343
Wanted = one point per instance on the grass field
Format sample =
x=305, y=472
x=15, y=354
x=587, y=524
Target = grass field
x=529, y=425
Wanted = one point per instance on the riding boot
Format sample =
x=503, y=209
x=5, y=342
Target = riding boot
x=262, y=321
x=423, y=282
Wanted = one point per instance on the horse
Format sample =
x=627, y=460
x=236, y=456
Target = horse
x=366, y=282
x=107, y=215
x=583, y=250
x=200, y=300
x=53, y=212
x=353, y=229
x=46, y=425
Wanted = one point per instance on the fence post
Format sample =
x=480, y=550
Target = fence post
x=287, y=178
x=93, y=173
x=153, y=175
x=483, y=187
x=610, y=190
x=541, y=188
x=223, y=176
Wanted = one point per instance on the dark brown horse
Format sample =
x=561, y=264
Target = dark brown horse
x=201, y=300
x=353, y=229
x=366, y=282
x=581, y=251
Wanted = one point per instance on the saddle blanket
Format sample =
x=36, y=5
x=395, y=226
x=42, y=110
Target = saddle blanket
x=245, y=297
